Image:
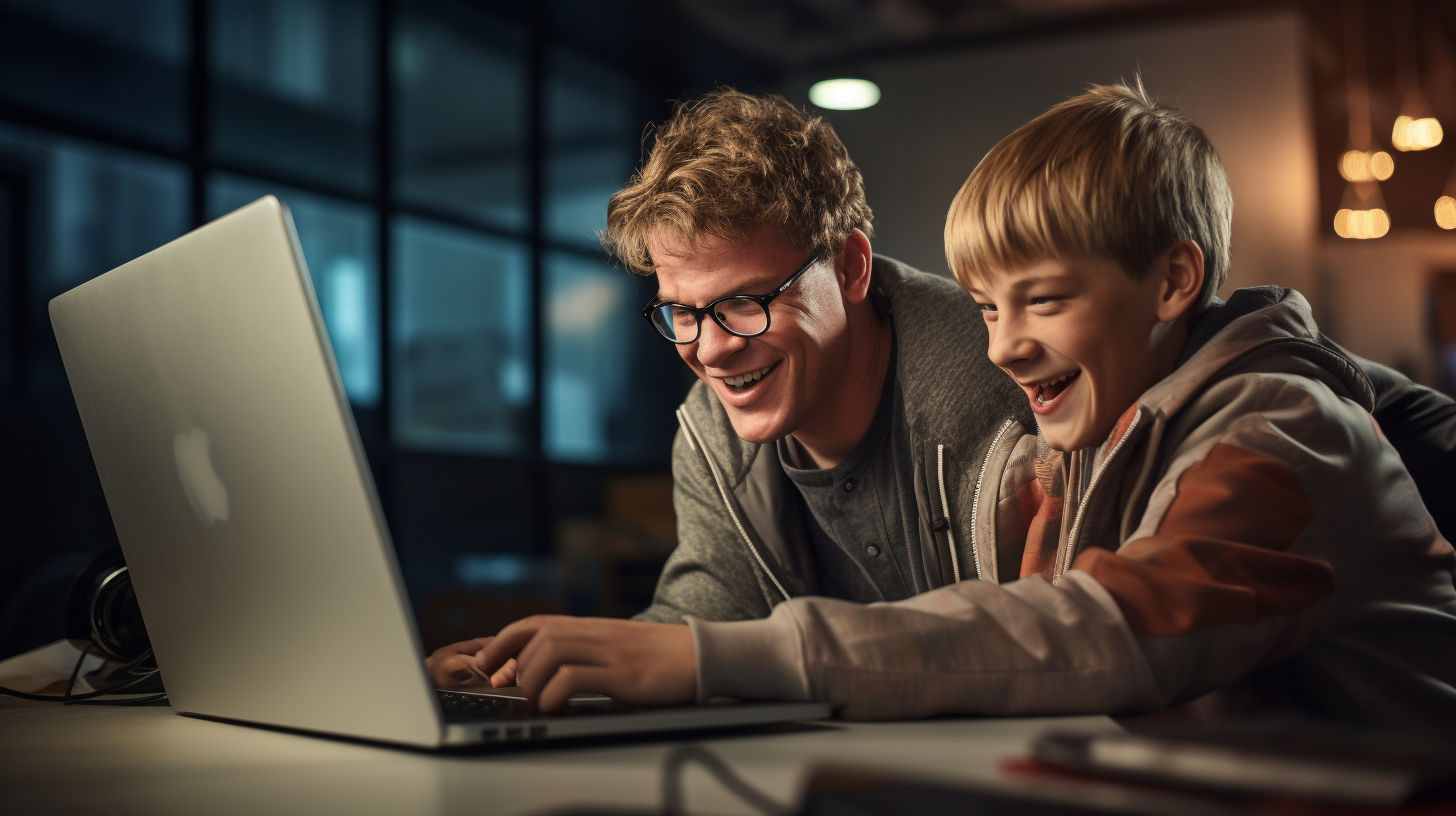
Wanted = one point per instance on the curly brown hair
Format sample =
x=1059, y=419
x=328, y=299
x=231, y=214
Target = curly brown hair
x=729, y=163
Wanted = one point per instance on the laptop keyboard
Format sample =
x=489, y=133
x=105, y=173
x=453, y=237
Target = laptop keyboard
x=464, y=708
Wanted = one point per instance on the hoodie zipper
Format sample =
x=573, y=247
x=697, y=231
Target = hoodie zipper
x=687, y=424
x=955, y=561
x=976, y=497
x=1091, y=486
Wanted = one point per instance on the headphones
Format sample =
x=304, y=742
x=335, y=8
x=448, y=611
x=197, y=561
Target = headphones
x=101, y=615
x=101, y=607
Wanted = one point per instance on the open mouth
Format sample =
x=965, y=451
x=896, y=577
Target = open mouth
x=1044, y=394
x=743, y=382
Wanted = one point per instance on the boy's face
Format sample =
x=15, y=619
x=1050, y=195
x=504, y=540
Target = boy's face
x=1080, y=337
x=798, y=362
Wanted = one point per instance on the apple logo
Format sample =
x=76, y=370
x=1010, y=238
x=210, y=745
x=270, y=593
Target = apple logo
x=200, y=481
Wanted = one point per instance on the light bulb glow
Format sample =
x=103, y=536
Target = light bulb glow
x=1361, y=224
x=1416, y=134
x=1446, y=212
x=845, y=94
x=1363, y=165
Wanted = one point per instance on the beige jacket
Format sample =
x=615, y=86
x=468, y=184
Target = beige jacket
x=1246, y=528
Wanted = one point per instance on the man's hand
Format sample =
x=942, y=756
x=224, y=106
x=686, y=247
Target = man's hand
x=455, y=664
x=556, y=656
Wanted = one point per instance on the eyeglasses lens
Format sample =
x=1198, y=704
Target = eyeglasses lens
x=741, y=316
x=676, y=324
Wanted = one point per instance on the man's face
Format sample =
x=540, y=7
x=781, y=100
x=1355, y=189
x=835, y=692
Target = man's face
x=1080, y=337
x=776, y=382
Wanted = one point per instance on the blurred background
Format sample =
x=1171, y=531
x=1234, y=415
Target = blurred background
x=448, y=162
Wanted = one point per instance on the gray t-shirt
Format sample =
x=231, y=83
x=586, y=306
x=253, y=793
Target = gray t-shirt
x=862, y=511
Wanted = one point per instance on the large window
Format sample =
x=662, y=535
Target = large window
x=447, y=165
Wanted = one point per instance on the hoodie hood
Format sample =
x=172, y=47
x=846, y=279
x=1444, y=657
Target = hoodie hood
x=1264, y=329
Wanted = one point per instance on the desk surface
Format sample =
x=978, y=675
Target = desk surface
x=56, y=759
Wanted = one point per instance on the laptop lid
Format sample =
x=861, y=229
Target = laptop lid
x=238, y=486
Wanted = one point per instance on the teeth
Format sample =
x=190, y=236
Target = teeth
x=1055, y=380
x=745, y=379
x=1041, y=386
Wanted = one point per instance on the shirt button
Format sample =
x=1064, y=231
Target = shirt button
x=873, y=551
x=849, y=486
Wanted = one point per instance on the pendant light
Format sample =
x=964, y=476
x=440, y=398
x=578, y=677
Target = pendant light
x=1362, y=212
x=1446, y=204
x=1415, y=128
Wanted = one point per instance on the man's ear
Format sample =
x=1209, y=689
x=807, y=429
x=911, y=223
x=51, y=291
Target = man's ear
x=852, y=267
x=1181, y=270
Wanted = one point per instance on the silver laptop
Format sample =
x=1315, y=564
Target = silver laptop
x=246, y=511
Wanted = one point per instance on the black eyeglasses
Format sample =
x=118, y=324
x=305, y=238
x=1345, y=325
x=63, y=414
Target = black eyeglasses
x=743, y=315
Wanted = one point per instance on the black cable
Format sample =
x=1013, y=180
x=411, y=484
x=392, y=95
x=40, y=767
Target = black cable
x=131, y=701
x=672, y=768
x=116, y=689
x=76, y=672
x=68, y=697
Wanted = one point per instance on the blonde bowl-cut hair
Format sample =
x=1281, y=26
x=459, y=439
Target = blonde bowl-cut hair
x=731, y=163
x=1110, y=173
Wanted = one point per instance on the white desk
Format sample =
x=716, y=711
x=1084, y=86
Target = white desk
x=117, y=761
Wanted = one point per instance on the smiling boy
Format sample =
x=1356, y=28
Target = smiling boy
x=1210, y=471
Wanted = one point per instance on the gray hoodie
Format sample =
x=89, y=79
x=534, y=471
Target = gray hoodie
x=741, y=547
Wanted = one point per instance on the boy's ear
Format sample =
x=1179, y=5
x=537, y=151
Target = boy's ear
x=852, y=267
x=1181, y=270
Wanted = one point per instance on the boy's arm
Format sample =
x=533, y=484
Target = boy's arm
x=972, y=647
x=1286, y=505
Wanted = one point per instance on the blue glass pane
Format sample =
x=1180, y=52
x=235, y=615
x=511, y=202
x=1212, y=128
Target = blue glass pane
x=610, y=380
x=593, y=122
x=120, y=66
x=461, y=344
x=339, y=242
x=293, y=87
x=94, y=208
x=460, y=81
x=84, y=210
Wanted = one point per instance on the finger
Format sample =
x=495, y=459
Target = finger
x=571, y=640
x=506, y=676
x=474, y=644
x=549, y=651
x=454, y=669
x=508, y=642
x=463, y=647
x=569, y=680
x=532, y=677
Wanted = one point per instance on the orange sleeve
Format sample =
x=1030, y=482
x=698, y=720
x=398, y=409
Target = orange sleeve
x=1219, y=556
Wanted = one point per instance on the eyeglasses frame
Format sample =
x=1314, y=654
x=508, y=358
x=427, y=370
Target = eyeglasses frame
x=761, y=300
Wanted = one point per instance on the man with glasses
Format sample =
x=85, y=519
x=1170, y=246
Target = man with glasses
x=833, y=444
